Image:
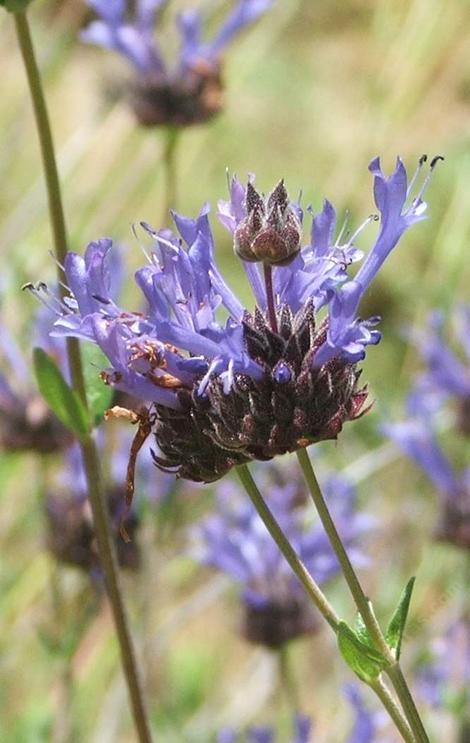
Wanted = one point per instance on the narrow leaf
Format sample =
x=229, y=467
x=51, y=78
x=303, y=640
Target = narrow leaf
x=62, y=400
x=396, y=628
x=99, y=395
x=365, y=661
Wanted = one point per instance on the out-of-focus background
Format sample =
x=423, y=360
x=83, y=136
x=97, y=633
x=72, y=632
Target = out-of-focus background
x=312, y=92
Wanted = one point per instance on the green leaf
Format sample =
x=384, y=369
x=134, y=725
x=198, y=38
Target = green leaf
x=99, y=395
x=396, y=628
x=62, y=400
x=15, y=6
x=362, y=632
x=365, y=661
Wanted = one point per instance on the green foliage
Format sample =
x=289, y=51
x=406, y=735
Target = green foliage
x=98, y=394
x=365, y=661
x=397, y=623
x=62, y=400
x=15, y=6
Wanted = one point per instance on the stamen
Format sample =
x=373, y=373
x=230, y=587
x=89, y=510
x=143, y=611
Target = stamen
x=343, y=229
x=42, y=293
x=427, y=180
x=423, y=159
x=370, y=218
x=141, y=245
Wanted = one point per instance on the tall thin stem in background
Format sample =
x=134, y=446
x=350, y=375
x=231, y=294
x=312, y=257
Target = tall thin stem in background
x=89, y=453
x=170, y=148
x=363, y=604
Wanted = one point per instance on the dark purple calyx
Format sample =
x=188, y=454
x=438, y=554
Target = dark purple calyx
x=279, y=620
x=71, y=537
x=293, y=405
x=192, y=98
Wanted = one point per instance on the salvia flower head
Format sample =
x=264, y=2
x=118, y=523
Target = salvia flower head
x=235, y=541
x=419, y=440
x=447, y=372
x=228, y=384
x=187, y=91
x=443, y=677
x=70, y=532
x=26, y=422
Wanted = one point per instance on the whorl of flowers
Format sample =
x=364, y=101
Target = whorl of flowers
x=26, y=423
x=187, y=91
x=70, y=532
x=263, y=381
x=234, y=541
x=445, y=378
x=443, y=678
x=447, y=372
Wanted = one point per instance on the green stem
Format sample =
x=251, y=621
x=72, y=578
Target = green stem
x=362, y=602
x=393, y=710
x=169, y=165
x=315, y=593
x=89, y=453
x=287, y=677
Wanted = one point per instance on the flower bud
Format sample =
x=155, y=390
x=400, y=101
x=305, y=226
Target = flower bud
x=271, y=231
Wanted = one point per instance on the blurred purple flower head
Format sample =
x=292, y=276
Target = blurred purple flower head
x=418, y=438
x=70, y=533
x=447, y=372
x=26, y=423
x=188, y=91
x=228, y=385
x=368, y=726
x=235, y=541
x=302, y=729
x=443, y=678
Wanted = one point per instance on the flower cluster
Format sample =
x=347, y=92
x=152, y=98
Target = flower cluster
x=26, y=423
x=235, y=541
x=227, y=384
x=190, y=90
x=367, y=727
x=71, y=536
x=443, y=679
x=446, y=377
x=447, y=373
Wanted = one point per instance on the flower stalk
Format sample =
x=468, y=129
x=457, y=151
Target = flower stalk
x=363, y=604
x=88, y=448
x=319, y=599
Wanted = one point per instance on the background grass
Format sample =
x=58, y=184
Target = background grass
x=313, y=92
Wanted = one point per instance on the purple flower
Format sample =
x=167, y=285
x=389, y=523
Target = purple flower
x=302, y=728
x=235, y=541
x=447, y=372
x=70, y=532
x=26, y=423
x=444, y=675
x=417, y=437
x=226, y=384
x=368, y=726
x=187, y=91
